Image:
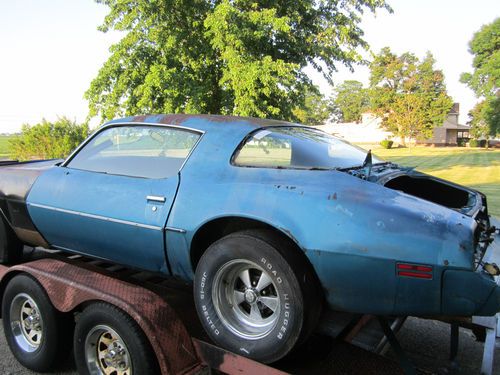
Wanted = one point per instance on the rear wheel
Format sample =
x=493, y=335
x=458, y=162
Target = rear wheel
x=251, y=296
x=109, y=341
x=11, y=249
x=35, y=331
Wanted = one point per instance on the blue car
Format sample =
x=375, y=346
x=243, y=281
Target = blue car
x=272, y=221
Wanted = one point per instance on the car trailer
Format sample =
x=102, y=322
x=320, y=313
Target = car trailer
x=145, y=313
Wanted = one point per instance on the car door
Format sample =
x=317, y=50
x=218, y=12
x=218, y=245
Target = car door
x=112, y=198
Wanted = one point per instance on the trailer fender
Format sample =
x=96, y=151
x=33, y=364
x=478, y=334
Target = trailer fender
x=69, y=286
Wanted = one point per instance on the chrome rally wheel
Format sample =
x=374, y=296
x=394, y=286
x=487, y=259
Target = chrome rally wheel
x=26, y=322
x=106, y=352
x=254, y=296
x=246, y=299
x=36, y=332
x=108, y=341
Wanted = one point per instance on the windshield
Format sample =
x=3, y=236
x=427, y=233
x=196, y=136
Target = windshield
x=298, y=148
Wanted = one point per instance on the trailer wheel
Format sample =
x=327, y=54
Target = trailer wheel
x=11, y=249
x=109, y=341
x=34, y=329
x=250, y=298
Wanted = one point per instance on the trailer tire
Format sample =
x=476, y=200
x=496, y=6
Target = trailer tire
x=35, y=331
x=107, y=339
x=11, y=249
x=250, y=298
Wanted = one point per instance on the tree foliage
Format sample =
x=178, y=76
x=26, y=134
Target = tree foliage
x=225, y=56
x=485, y=79
x=350, y=99
x=315, y=110
x=408, y=94
x=47, y=140
x=478, y=126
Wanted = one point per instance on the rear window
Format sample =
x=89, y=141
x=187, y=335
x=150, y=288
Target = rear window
x=298, y=148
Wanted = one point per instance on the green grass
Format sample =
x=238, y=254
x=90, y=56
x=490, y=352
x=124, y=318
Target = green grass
x=476, y=168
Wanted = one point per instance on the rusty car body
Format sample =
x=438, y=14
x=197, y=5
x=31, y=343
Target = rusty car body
x=207, y=198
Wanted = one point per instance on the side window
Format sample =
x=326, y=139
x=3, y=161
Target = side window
x=137, y=151
x=265, y=149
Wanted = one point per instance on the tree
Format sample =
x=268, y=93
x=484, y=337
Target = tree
x=225, y=56
x=315, y=110
x=478, y=126
x=47, y=140
x=399, y=84
x=350, y=100
x=485, y=80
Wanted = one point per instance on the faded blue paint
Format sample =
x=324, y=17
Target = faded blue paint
x=110, y=196
x=352, y=231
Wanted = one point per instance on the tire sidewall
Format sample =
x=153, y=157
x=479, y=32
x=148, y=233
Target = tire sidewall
x=283, y=336
x=44, y=356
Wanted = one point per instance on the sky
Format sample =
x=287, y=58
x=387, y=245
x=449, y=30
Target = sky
x=51, y=50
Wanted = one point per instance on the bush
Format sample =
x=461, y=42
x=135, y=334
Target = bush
x=48, y=140
x=477, y=143
x=386, y=143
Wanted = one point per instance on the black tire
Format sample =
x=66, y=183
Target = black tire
x=37, y=344
x=101, y=328
x=11, y=249
x=263, y=323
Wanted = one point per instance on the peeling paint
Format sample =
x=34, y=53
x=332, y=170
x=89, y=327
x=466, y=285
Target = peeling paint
x=344, y=210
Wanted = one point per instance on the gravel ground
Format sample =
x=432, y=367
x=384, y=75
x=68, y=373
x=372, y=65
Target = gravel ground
x=427, y=343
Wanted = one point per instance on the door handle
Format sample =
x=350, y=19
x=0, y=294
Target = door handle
x=156, y=198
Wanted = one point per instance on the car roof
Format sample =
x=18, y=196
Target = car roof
x=203, y=122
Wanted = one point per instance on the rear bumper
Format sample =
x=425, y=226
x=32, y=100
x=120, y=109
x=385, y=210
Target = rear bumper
x=468, y=293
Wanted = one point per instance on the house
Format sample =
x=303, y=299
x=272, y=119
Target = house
x=451, y=133
x=369, y=130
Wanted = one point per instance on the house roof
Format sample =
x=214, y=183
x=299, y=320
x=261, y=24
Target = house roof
x=455, y=109
x=452, y=125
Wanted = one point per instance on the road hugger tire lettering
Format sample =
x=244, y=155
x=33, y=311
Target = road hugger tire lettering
x=248, y=296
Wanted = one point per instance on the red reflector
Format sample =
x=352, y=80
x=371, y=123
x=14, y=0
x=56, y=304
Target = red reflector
x=405, y=266
x=414, y=270
x=415, y=274
x=414, y=267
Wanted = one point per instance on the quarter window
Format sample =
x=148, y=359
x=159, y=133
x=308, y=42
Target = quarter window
x=298, y=148
x=137, y=151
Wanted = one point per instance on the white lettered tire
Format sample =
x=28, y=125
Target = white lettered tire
x=249, y=297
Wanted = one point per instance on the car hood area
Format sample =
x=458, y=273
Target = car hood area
x=459, y=198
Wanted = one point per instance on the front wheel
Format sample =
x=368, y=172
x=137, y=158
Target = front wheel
x=249, y=297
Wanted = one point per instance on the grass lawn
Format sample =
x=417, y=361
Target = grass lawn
x=477, y=168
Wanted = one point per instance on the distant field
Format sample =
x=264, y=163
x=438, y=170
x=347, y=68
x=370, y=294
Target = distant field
x=477, y=168
x=4, y=146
